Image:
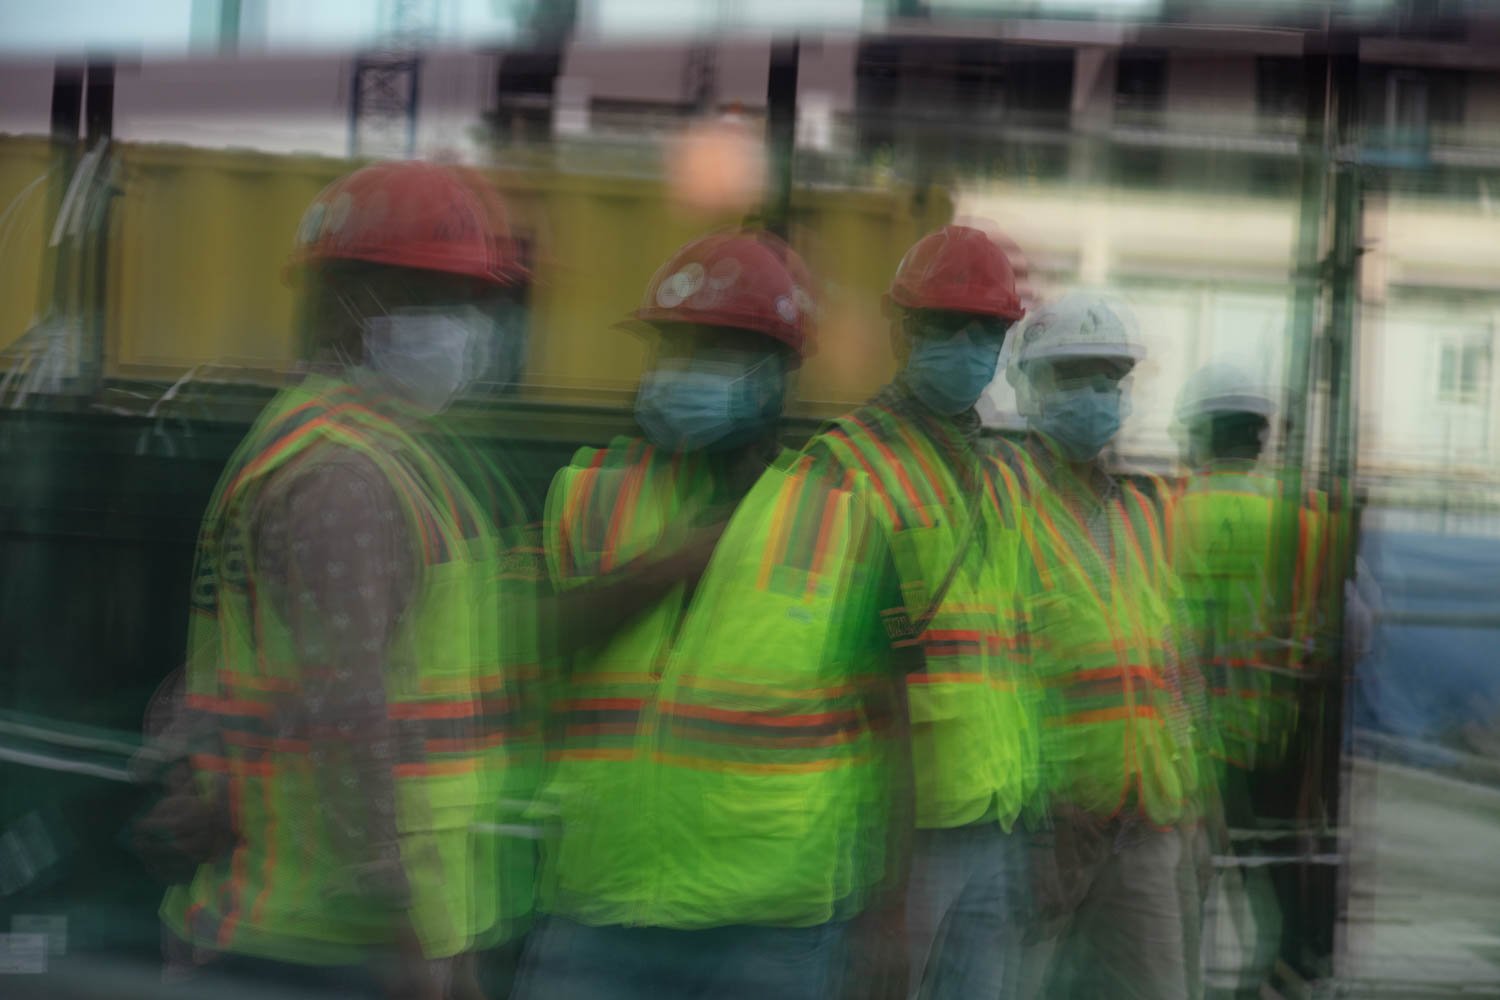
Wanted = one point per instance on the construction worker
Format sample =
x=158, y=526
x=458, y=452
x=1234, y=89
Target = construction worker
x=345, y=682
x=1102, y=630
x=951, y=302
x=712, y=758
x=1248, y=552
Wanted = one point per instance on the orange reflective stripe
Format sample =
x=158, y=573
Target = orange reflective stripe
x=236, y=887
x=626, y=753
x=433, y=709
x=625, y=505
x=820, y=551
x=436, y=768
x=603, y=704
x=1148, y=514
x=1105, y=648
x=258, y=905
x=256, y=683
x=1063, y=545
x=875, y=479
x=218, y=764
x=587, y=478
x=919, y=451
x=268, y=457
x=780, y=526
x=953, y=635
x=951, y=678
x=798, y=767
x=758, y=718
x=228, y=706
x=1145, y=673
x=898, y=467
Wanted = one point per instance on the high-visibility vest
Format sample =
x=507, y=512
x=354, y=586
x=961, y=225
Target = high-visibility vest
x=717, y=764
x=1118, y=727
x=608, y=507
x=445, y=695
x=518, y=584
x=1248, y=556
x=972, y=712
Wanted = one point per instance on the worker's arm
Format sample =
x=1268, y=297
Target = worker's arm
x=189, y=823
x=336, y=552
x=582, y=614
x=577, y=617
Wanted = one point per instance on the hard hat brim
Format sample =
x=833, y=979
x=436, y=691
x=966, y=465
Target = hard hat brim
x=1133, y=353
x=1238, y=403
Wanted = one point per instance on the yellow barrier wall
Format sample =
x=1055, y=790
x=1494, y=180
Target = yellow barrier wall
x=200, y=239
x=25, y=225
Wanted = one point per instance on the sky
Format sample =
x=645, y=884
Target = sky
x=165, y=28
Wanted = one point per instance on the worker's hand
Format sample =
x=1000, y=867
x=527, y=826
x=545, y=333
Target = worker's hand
x=879, y=948
x=1063, y=864
x=465, y=983
x=182, y=831
x=687, y=563
x=411, y=975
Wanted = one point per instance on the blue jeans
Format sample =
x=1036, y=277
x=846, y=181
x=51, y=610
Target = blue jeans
x=566, y=960
x=1129, y=937
x=965, y=911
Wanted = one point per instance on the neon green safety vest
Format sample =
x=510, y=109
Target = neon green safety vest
x=500, y=840
x=972, y=711
x=1118, y=730
x=445, y=694
x=1253, y=601
x=716, y=762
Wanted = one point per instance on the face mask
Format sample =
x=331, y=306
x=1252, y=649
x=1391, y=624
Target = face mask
x=948, y=374
x=708, y=405
x=427, y=355
x=1081, y=420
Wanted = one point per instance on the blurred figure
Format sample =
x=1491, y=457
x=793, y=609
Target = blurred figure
x=344, y=658
x=1102, y=628
x=1242, y=547
x=711, y=751
x=1249, y=555
x=951, y=302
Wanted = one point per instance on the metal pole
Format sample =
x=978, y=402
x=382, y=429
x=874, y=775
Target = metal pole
x=67, y=117
x=1328, y=890
x=67, y=102
x=781, y=132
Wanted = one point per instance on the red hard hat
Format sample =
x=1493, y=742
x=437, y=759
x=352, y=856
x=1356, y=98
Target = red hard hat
x=746, y=280
x=498, y=215
x=408, y=214
x=960, y=269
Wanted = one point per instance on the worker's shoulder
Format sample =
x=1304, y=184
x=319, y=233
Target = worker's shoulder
x=333, y=475
x=1158, y=491
x=622, y=451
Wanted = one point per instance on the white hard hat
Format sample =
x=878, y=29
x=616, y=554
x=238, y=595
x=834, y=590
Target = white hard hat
x=1223, y=387
x=1077, y=326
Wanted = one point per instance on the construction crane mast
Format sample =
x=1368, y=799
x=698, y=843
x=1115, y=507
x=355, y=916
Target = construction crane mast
x=387, y=79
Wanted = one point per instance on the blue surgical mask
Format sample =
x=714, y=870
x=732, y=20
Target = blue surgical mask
x=949, y=374
x=427, y=356
x=1081, y=420
x=709, y=405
